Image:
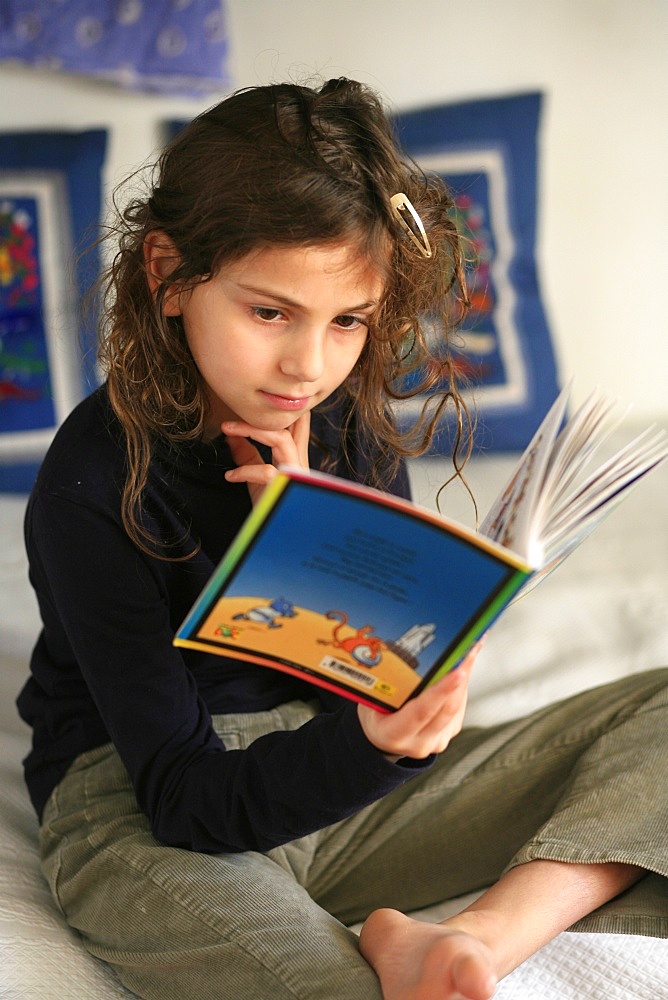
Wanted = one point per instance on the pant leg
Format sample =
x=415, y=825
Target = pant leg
x=583, y=780
x=176, y=924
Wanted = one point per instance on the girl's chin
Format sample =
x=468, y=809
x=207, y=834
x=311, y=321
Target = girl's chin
x=282, y=423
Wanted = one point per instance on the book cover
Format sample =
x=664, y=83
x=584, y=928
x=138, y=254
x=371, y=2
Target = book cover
x=354, y=590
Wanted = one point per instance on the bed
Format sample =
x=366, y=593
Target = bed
x=602, y=615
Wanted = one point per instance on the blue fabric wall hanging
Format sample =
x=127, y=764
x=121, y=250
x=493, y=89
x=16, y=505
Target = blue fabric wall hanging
x=487, y=151
x=172, y=46
x=50, y=203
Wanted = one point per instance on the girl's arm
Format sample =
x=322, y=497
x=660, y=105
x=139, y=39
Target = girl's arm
x=106, y=669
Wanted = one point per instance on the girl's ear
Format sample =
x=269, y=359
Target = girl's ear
x=161, y=258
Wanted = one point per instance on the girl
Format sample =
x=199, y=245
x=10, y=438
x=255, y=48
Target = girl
x=210, y=827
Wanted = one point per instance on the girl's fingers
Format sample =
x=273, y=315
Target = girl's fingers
x=425, y=724
x=243, y=451
x=301, y=434
x=252, y=475
x=288, y=447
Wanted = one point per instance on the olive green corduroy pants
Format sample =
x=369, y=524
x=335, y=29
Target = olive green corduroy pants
x=582, y=781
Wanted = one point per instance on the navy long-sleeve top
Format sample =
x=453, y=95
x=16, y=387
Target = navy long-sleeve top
x=104, y=667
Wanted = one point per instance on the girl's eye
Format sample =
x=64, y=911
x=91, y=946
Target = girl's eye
x=349, y=322
x=266, y=313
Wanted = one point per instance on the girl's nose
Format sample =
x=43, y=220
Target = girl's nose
x=304, y=357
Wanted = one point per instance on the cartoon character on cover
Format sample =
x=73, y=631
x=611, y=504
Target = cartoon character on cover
x=228, y=631
x=365, y=648
x=266, y=614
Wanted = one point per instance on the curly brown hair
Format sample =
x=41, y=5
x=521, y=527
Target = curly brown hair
x=283, y=165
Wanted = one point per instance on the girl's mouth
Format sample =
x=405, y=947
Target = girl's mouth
x=286, y=402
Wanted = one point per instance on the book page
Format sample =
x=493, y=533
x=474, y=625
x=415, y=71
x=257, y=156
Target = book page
x=573, y=451
x=554, y=499
x=593, y=498
x=510, y=519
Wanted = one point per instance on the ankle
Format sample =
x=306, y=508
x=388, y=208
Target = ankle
x=490, y=929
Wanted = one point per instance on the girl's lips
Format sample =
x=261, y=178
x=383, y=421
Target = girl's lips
x=286, y=402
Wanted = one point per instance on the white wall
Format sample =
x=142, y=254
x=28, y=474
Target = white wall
x=603, y=213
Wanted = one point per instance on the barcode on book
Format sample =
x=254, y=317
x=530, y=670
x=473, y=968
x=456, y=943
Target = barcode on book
x=345, y=670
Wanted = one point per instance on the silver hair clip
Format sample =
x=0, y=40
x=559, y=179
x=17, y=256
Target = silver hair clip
x=400, y=203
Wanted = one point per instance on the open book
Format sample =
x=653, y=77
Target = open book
x=375, y=597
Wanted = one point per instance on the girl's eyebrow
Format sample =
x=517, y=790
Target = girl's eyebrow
x=284, y=300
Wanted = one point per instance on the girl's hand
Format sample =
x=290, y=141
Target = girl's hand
x=288, y=447
x=426, y=724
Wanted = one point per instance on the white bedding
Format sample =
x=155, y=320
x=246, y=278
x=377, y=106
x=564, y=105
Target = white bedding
x=601, y=615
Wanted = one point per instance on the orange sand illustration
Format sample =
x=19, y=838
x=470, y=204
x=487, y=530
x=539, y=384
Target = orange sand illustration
x=306, y=639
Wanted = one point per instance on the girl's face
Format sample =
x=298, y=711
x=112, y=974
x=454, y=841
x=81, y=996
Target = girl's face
x=275, y=333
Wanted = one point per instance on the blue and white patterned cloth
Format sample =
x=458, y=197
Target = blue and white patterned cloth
x=172, y=46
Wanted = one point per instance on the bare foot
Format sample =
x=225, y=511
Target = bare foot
x=420, y=961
